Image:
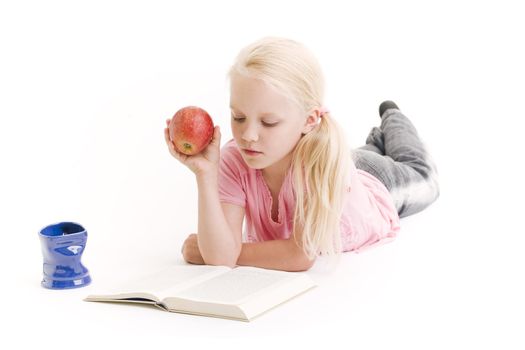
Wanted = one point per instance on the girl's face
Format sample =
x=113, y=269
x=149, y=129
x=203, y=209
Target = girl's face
x=265, y=122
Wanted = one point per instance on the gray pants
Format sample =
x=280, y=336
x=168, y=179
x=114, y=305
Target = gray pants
x=396, y=156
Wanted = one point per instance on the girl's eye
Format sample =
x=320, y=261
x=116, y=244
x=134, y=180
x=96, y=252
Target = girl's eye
x=239, y=120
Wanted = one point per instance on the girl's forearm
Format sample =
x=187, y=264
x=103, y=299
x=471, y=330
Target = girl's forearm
x=217, y=243
x=283, y=254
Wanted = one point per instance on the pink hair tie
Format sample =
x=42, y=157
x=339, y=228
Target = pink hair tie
x=324, y=110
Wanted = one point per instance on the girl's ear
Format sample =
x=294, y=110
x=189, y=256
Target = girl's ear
x=312, y=120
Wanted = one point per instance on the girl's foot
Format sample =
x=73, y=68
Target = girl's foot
x=386, y=105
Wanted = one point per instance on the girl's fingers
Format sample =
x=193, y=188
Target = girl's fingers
x=167, y=136
x=216, y=136
x=170, y=144
x=178, y=155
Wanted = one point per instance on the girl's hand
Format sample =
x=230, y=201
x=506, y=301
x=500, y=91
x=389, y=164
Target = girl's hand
x=204, y=162
x=190, y=250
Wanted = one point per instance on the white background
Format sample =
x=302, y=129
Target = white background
x=85, y=88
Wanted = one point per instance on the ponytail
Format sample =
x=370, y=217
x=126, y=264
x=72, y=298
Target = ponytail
x=320, y=168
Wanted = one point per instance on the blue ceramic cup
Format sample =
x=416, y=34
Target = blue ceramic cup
x=62, y=247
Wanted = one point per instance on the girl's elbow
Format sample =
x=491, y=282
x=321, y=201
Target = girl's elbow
x=308, y=265
x=303, y=263
x=229, y=260
x=221, y=263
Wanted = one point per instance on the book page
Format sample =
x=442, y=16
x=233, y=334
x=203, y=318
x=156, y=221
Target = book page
x=236, y=285
x=165, y=282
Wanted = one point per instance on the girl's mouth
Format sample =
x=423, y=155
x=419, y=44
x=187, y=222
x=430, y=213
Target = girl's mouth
x=251, y=153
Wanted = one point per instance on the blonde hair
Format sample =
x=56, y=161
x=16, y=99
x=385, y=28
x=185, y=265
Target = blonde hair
x=320, y=162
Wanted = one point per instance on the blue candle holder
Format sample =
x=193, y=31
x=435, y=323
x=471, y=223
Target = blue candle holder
x=62, y=247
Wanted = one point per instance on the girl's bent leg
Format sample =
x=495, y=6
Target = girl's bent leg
x=375, y=141
x=406, y=169
x=402, y=143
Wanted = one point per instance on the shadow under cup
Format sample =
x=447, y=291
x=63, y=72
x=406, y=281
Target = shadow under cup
x=62, y=247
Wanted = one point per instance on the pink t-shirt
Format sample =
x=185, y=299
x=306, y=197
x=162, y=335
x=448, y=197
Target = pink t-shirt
x=369, y=216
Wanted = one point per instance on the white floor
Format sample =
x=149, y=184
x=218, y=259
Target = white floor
x=85, y=92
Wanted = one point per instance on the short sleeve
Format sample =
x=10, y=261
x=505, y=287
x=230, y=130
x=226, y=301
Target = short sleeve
x=231, y=173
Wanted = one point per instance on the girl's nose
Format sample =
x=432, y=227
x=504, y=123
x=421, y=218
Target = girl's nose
x=250, y=134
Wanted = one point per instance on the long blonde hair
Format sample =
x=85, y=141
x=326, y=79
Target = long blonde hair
x=320, y=162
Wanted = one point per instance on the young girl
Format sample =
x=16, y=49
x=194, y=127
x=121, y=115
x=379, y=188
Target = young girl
x=288, y=173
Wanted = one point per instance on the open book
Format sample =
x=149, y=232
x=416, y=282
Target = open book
x=241, y=293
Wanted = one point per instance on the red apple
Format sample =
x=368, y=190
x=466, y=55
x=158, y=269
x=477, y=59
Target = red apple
x=191, y=130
